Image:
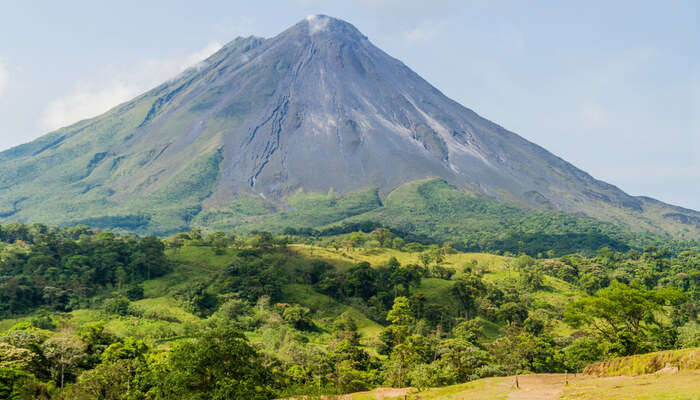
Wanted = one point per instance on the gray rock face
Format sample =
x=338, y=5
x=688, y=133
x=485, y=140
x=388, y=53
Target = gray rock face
x=320, y=107
x=316, y=107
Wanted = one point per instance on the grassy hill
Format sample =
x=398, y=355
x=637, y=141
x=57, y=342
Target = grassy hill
x=330, y=314
x=686, y=359
x=162, y=315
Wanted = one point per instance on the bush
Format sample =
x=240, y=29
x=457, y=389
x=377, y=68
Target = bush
x=581, y=352
x=43, y=322
x=299, y=317
x=689, y=335
x=20, y=385
x=423, y=376
x=118, y=305
x=134, y=292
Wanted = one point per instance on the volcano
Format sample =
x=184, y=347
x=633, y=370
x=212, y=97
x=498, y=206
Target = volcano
x=317, y=108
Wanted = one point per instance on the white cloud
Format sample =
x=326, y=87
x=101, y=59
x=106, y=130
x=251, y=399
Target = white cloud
x=86, y=101
x=317, y=23
x=96, y=96
x=197, y=58
x=4, y=78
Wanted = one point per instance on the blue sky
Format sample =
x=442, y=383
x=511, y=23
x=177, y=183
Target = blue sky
x=613, y=87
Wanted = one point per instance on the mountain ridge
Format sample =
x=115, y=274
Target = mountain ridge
x=317, y=108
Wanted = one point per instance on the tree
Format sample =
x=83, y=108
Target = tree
x=621, y=315
x=407, y=276
x=467, y=290
x=122, y=375
x=582, y=352
x=118, y=305
x=398, y=243
x=463, y=357
x=299, y=317
x=361, y=281
x=64, y=352
x=513, y=313
x=129, y=349
x=535, y=323
x=352, y=364
x=16, y=384
x=425, y=258
x=423, y=376
x=263, y=241
x=198, y=300
x=149, y=260
x=218, y=364
x=469, y=331
x=120, y=380
x=400, y=313
x=134, y=292
x=519, y=352
x=401, y=318
x=524, y=261
x=414, y=349
x=593, y=279
x=438, y=271
x=531, y=278
x=14, y=357
x=405, y=349
x=219, y=241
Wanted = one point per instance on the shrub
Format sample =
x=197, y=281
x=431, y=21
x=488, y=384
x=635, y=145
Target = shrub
x=118, y=305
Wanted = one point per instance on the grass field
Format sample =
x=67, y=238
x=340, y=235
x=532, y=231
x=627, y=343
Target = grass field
x=681, y=386
x=642, y=377
x=684, y=385
x=348, y=256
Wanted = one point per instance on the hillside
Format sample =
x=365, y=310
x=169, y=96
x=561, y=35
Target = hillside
x=331, y=315
x=317, y=108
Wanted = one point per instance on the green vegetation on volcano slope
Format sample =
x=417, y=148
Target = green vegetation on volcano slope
x=428, y=210
x=431, y=210
x=342, y=314
x=303, y=210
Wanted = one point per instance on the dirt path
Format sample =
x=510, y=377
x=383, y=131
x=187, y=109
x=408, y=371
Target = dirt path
x=537, y=387
x=381, y=393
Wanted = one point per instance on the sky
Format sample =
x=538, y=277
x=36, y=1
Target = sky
x=611, y=86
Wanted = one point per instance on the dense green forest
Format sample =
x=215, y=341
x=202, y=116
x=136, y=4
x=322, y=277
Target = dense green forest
x=87, y=314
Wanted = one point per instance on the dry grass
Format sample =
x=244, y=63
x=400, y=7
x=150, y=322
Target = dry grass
x=679, y=386
x=684, y=385
x=482, y=389
x=685, y=359
x=346, y=257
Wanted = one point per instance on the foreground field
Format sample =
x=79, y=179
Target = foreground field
x=666, y=375
x=90, y=315
x=680, y=386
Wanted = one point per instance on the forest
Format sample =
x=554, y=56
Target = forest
x=88, y=314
